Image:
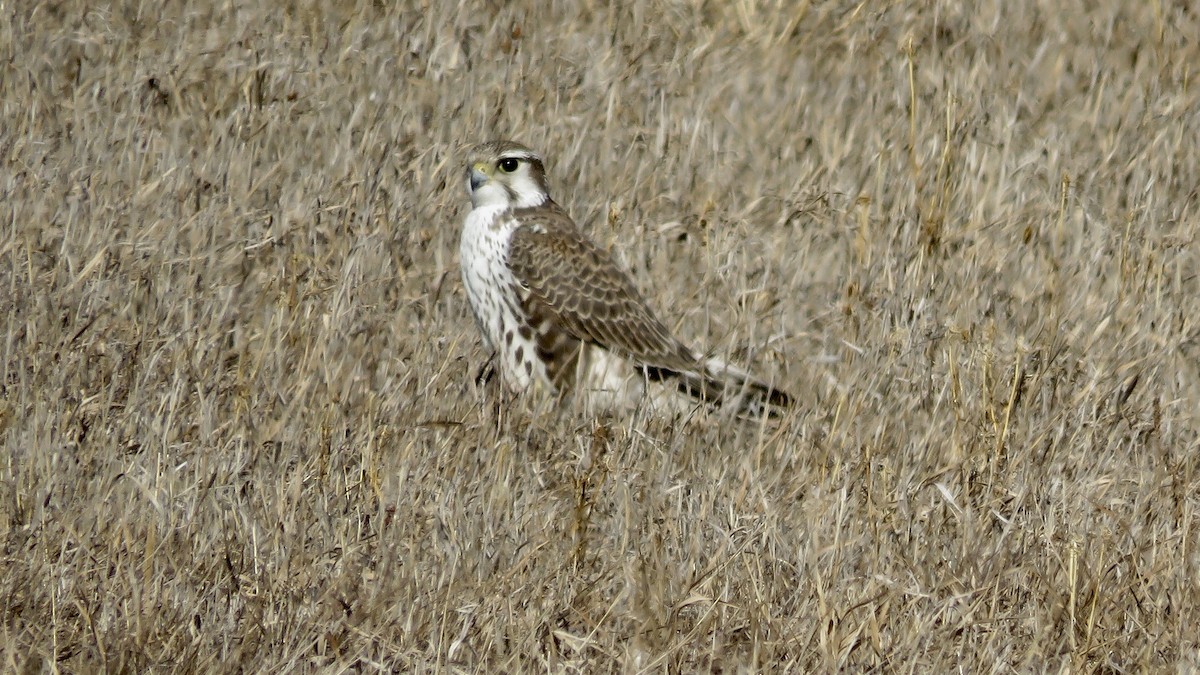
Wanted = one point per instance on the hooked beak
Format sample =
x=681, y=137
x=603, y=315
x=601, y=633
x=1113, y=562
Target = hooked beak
x=478, y=175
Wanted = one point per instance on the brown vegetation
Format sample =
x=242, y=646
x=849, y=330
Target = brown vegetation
x=239, y=420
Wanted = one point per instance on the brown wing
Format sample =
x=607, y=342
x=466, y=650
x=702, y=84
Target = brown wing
x=578, y=284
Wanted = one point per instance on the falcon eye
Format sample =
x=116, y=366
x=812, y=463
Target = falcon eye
x=509, y=165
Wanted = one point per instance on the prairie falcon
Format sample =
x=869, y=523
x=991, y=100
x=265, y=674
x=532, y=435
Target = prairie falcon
x=561, y=315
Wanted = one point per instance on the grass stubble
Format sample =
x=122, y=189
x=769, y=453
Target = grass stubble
x=237, y=404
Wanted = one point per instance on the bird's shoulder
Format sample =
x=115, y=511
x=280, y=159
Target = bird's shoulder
x=546, y=221
x=547, y=232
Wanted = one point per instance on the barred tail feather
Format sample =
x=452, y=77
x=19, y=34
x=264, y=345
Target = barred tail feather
x=723, y=385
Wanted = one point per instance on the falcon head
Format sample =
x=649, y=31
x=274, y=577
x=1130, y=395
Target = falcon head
x=504, y=173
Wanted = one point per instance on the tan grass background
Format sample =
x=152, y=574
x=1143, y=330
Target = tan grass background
x=239, y=423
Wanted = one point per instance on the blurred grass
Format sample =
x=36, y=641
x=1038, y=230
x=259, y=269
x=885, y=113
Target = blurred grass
x=236, y=401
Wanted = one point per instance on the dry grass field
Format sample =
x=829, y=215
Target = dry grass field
x=240, y=425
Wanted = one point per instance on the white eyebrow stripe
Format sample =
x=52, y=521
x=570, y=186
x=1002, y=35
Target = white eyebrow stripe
x=520, y=155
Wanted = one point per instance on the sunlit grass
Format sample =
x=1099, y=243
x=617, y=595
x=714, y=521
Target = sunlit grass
x=240, y=424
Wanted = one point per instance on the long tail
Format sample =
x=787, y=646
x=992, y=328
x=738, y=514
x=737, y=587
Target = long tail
x=723, y=385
